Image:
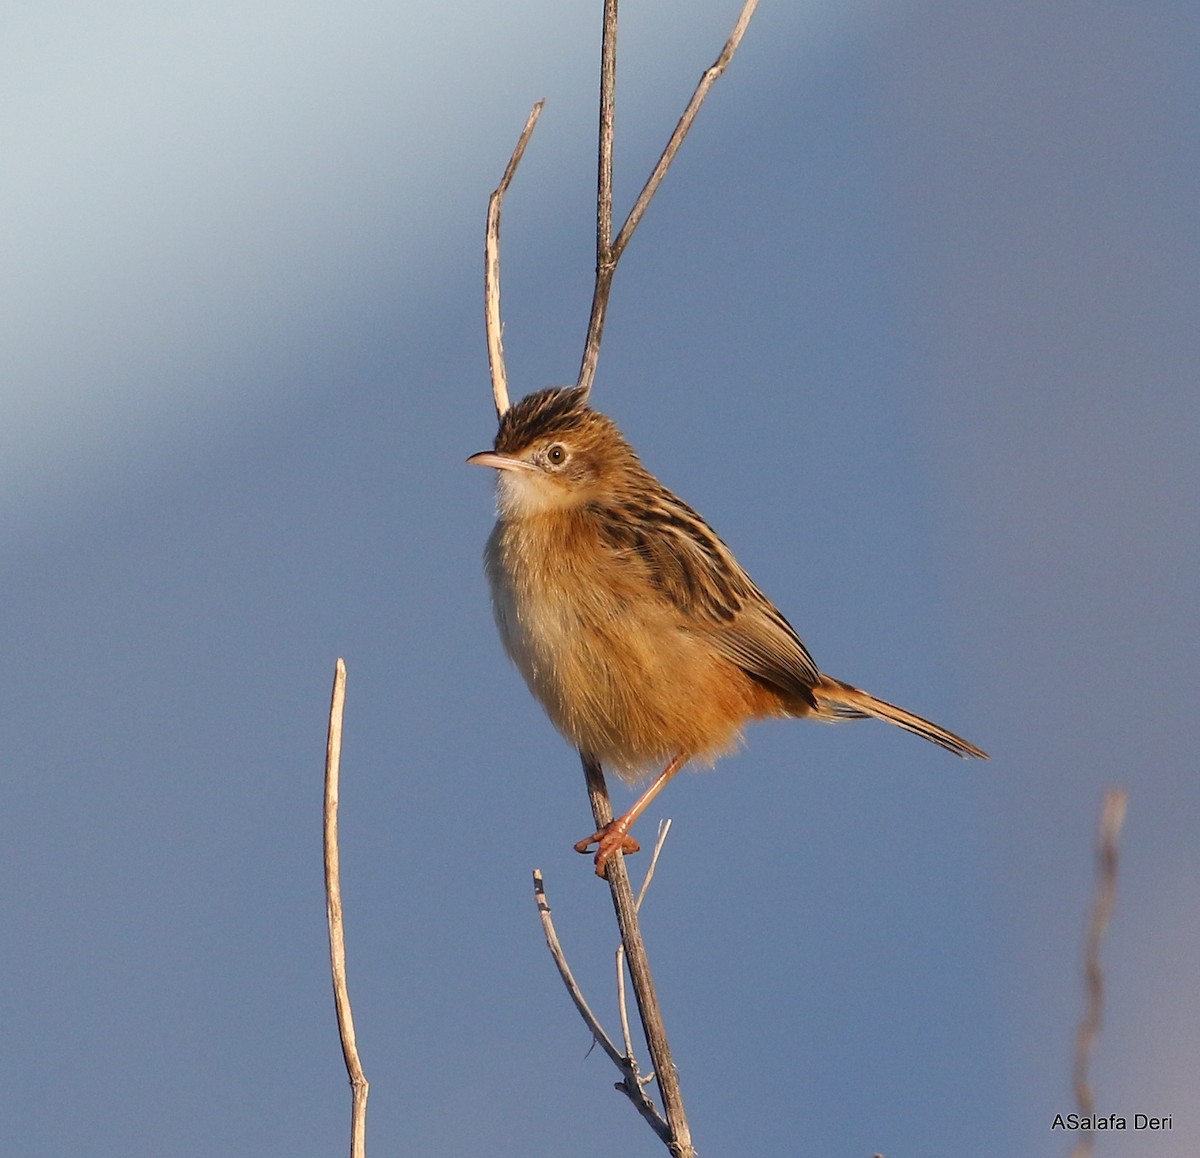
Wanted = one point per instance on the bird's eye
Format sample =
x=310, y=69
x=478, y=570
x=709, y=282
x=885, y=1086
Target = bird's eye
x=556, y=455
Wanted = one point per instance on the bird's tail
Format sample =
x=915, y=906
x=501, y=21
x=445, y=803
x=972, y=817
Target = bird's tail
x=838, y=701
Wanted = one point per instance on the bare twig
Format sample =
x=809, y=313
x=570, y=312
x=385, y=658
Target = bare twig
x=560, y=960
x=608, y=108
x=631, y=1084
x=333, y=909
x=710, y=76
x=664, y=827
x=609, y=253
x=491, y=268
x=622, y=1004
x=1112, y=816
x=639, y=972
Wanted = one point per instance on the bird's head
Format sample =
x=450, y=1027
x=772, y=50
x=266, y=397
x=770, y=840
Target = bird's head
x=554, y=452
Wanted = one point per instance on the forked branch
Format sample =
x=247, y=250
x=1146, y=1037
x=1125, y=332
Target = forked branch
x=631, y=1084
x=664, y=827
x=608, y=252
x=649, y=1010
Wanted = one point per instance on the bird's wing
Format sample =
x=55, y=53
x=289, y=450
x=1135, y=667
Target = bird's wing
x=692, y=569
x=766, y=647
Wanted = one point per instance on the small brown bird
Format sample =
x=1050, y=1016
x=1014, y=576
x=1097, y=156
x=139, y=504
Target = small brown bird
x=632, y=623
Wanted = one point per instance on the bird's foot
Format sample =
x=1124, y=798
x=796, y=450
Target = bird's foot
x=610, y=839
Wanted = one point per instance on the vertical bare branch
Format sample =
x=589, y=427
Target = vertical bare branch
x=491, y=268
x=664, y=827
x=604, y=152
x=333, y=910
x=1112, y=816
x=639, y=971
x=608, y=254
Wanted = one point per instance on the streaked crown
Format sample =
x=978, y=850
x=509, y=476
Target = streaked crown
x=557, y=453
x=552, y=413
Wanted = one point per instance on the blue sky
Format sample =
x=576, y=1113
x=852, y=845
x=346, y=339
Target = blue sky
x=912, y=323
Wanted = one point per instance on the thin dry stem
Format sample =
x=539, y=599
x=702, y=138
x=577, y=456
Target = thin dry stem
x=1112, y=816
x=664, y=827
x=639, y=971
x=491, y=268
x=622, y=1004
x=710, y=76
x=630, y=1085
x=608, y=108
x=607, y=255
x=333, y=908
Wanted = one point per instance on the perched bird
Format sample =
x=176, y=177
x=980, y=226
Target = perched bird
x=632, y=623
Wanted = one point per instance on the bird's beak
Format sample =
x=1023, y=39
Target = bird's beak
x=499, y=461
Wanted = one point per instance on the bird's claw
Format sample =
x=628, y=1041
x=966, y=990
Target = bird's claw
x=609, y=840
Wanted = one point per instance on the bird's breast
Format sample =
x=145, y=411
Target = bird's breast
x=551, y=597
x=614, y=665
